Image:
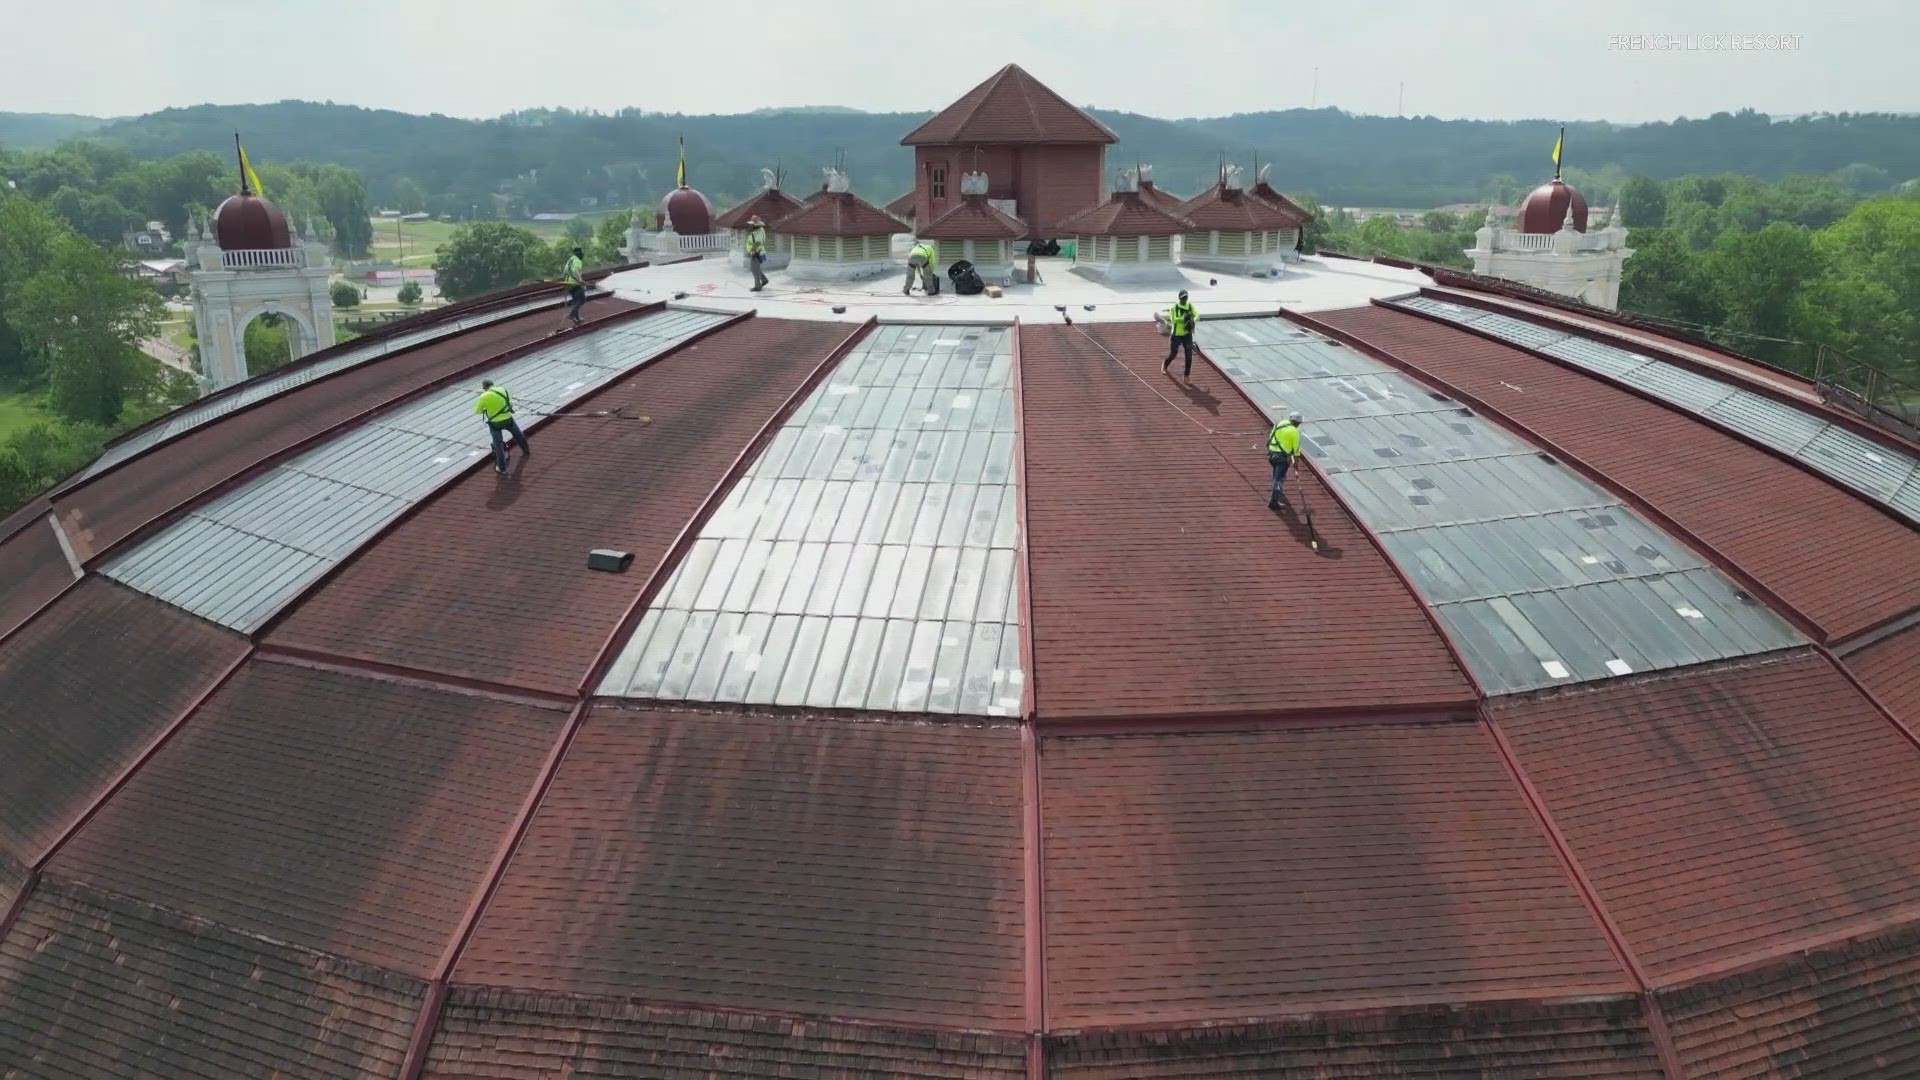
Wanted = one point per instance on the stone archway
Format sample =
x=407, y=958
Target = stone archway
x=300, y=337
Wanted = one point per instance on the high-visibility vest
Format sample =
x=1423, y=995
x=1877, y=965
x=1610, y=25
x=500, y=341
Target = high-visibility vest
x=756, y=241
x=574, y=266
x=495, y=405
x=1284, y=440
x=923, y=251
x=1182, y=317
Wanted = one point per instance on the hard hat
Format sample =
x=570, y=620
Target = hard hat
x=755, y=220
x=1183, y=294
x=1295, y=417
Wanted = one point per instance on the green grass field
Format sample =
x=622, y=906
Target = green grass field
x=412, y=243
x=18, y=412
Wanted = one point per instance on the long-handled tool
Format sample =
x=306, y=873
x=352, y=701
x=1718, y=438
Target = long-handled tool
x=1313, y=538
x=619, y=413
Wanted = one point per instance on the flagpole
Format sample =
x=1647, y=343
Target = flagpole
x=1559, y=151
x=241, y=163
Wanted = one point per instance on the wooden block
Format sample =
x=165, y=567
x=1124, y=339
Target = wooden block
x=993, y=291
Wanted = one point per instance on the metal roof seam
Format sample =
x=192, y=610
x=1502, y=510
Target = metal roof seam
x=1616, y=938
x=162, y=520
x=1605, y=482
x=1035, y=892
x=92, y=806
x=1029, y=694
x=1880, y=706
x=1703, y=415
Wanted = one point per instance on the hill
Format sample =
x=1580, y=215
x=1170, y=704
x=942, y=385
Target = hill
x=554, y=159
x=38, y=131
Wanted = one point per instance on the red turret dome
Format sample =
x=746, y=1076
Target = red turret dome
x=1545, y=208
x=690, y=212
x=251, y=223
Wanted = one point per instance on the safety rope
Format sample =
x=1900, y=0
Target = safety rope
x=1196, y=421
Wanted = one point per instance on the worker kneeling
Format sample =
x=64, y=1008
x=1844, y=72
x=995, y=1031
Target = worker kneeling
x=497, y=407
x=1283, y=445
x=923, y=260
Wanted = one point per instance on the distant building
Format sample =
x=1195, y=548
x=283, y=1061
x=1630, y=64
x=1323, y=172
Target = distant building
x=1235, y=233
x=1549, y=246
x=1127, y=239
x=150, y=240
x=977, y=231
x=770, y=205
x=247, y=262
x=686, y=223
x=1044, y=154
x=838, y=236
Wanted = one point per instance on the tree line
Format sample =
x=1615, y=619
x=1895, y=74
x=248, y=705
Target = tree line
x=561, y=160
x=1771, y=270
x=103, y=190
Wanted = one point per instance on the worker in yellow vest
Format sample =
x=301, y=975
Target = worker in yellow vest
x=923, y=259
x=1180, y=320
x=574, y=276
x=1283, y=446
x=757, y=251
x=497, y=407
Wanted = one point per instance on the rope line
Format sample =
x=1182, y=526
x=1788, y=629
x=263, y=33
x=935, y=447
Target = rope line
x=1174, y=405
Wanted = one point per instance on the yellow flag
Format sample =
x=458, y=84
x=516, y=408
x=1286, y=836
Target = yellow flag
x=682, y=181
x=1557, y=144
x=253, y=178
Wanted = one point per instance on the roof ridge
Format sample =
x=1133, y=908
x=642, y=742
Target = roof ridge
x=986, y=91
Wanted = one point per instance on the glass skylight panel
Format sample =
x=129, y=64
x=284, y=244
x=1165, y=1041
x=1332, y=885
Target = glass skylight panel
x=1540, y=577
x=1874, y=469
x=239, y=558
x=869, y=557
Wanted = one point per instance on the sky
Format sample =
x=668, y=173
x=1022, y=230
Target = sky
x=1493, y=59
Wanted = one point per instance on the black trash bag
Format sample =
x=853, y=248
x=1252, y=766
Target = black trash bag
x=966, y=280
x=1053, y=248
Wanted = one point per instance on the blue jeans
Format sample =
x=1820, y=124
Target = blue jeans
x=1280, y=462
x=508, y=425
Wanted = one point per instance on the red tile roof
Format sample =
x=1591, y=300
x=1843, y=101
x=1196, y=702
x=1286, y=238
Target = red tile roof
x=34, y=569
x=1165, y=200
x=115, y=503
x=1202, y=878
x=98, y=985
x=1010, y=108
x=974, y=219
x=1245, y=617
x=388, y=838
x=1740, y=499
x=1221, y=207
x=771, y=204
x=1846, y=1011
x=1890, y=669
x=1126, y=213
x=1265, y=193
x=1589, y=1040
x=1729, y=812
x=825, y=867
x=412, y=599
x=840, y=213
x=502, y=1034
x=904, y=206
x=85, y=688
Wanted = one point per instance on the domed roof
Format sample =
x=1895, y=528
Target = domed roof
x=1545, y=208
x=966, y=794
x=690, y=212
x=247, y=222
